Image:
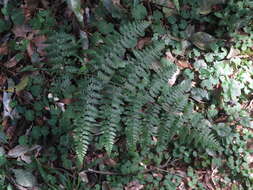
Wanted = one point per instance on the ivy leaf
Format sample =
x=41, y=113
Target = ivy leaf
x=232, y=89
x=139, y=12
x=222, y=130
x=113, y=7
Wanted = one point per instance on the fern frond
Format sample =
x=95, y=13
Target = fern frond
x=111, y=116
x=87, y=120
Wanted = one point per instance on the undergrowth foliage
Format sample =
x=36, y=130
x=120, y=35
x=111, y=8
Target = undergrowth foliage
x=127, y=92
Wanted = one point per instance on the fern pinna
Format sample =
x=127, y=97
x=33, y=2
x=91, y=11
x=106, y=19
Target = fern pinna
x=128, y=93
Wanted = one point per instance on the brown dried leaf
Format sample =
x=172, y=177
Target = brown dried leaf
x=2, y=80
x=183, y=64
x=21, y=31
x=142, y=42
x=11, y=63
x=170, y=57
x=134, y=185
x=39, y=42
x=110, y=162
x=4, y=49
x=67, y=101
x=30, y=49
x=233, y=53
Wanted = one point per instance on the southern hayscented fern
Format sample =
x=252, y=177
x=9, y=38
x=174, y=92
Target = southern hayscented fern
x=127, y=92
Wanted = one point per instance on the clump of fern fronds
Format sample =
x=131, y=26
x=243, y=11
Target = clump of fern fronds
x=125, y=94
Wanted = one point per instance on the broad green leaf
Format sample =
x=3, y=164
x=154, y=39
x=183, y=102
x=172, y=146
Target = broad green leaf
x=203, y=40
x=24, y=178
x=176, y=3
x=139, y=12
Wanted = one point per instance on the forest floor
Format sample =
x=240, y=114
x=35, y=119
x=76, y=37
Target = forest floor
x=210, y=42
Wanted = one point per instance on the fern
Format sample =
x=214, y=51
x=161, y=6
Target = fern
x=128, y=93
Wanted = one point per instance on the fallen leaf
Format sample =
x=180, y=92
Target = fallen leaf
x=68, y=100
x=233, y=53
x=170, y=57
x=21, y=30
x=75, y=6
x=3, y=79
x=106, y=186
x=203, y=40
x=20, y=86
x=83, y=177
x=17, y=151
x=22, y=152
x=30, y=49
x=11, y=63
x=85, y=40
x=142, y=42
x=173, y=79
x=7, y=98
x=134, y=185
x=39, y=42
x=183, y=64
x=207, y=5
x=110, y=162
x=4, y=49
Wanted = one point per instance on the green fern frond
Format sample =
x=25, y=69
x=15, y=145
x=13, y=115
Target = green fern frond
x=128, y=93
x=87, y=120
x=111, y=116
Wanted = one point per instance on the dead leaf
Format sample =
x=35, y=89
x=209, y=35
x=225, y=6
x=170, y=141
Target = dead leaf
x=110, y=162
x=203, y=40
x=83, y=177
x=11, y=63
x=3, y=79
x=106, y=186
x=4, y=49
x=233, y=53
x=22, y=152
x=183, y=64
x=39, y=42
x=173, y=79
x=134, y=185
x=21, y=31
x=30, y=49
x=207, y=5
x=170, y=57
x=142, y=42
x=68, y=101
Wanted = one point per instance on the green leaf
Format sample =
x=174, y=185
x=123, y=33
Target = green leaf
x=29, y=115
x=24, y=178
x=176, y=3
x=223, y=130
x=3, y=138
x=75, y=6
x=139, y=12
x=18, y=17
x=4, y=26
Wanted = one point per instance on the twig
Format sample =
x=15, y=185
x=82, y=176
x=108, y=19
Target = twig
x=103, y=172
x=160, y=168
